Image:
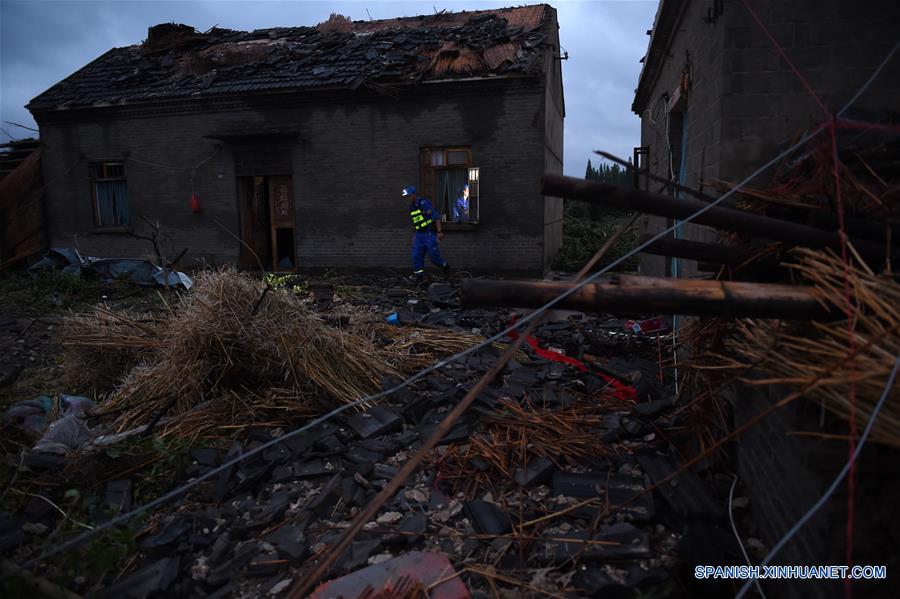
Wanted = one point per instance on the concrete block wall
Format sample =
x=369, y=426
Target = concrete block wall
x=554, y=114
x=368, y=224
x=158, y=154
x=761, y=106
x=785, y=471
x=695, y=48
x=351, y=156
x=778, y=472
x=835, y=44
x=747, y=104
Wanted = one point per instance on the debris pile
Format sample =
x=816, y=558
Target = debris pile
x=527, y=480
x=524, y=441
x=233, y=353
x=22, y=220
x=557, y=461
x=271, y=518
x=143, y=272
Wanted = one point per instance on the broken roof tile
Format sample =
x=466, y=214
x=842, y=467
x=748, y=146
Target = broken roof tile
x=176, y=61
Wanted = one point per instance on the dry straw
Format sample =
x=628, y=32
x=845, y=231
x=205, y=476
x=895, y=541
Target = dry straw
x=230, y=355
x=817, y=355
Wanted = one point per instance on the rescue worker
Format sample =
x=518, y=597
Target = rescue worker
x=461, y=208
x=427, y=223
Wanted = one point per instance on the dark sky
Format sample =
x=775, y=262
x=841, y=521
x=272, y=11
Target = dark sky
x=43, y=41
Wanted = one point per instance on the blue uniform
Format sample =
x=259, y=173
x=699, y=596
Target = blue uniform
x=461, y=209
x=425, y=239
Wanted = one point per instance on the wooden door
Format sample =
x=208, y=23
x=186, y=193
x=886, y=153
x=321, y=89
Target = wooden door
x=255, y=221
x=281, y=203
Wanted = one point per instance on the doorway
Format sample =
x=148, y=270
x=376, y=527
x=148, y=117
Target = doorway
x=266, y=211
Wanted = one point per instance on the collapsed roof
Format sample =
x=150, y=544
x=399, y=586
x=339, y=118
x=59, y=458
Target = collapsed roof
x=176, y=61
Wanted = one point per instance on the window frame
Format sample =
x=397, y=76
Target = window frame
x=104, y=170
x=428, y=178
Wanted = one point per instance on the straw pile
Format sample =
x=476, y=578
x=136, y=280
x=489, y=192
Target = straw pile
x=817, y=356
x=228, y=354
x=513, y=434
x=808, y=184
x=816, y=359
x=418, y=347
x=104, y=344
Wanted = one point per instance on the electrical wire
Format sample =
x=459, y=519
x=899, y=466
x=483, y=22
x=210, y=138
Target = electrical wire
x=84, y=537
x=835, y=483
x=869, y=81
x=175, y=168
x=738, y=536
x=652, y=113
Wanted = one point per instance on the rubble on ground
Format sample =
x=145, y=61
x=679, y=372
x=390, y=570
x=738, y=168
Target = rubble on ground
x=581, y=422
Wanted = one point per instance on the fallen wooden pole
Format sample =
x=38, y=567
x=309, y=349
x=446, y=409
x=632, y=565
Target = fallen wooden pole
x=718, y=217
x=694, y=250
x=654, y=295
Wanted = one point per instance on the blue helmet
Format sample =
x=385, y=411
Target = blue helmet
x=408, y=191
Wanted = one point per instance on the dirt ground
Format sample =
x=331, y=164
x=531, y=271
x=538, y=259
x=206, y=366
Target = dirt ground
x=31, y=311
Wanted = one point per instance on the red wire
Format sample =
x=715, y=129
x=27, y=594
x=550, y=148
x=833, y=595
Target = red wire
x=786, y=59
x=851, y=475
x=854, y=124
x=851, y=478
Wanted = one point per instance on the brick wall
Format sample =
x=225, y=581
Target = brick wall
x=355, y=153
x=745, y=106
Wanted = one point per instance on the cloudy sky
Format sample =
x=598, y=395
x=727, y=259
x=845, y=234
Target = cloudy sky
x=43, y=41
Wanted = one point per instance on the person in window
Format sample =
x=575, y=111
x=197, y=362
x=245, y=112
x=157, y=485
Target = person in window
x=461, y=207
x=427, y=223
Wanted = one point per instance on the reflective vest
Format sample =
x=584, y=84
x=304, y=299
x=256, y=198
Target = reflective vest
x=419, y=220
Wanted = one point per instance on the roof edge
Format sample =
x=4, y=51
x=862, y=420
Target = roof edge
x=150, y=106
x=667, y=18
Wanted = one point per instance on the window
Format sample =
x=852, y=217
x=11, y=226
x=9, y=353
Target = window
x=451, y=182
x=110, y=194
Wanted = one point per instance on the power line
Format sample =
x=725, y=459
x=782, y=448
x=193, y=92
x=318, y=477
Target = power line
x=84, y=537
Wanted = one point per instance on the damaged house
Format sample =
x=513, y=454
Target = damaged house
x=298, y=141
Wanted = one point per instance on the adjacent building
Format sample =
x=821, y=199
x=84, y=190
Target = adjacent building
x=298, y=141
x=717, y=101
